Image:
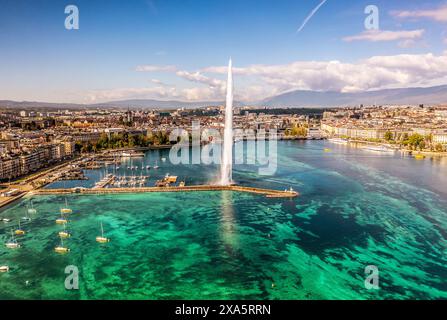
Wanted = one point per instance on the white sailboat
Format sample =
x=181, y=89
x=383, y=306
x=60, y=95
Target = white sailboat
x=31, y=209
x=12, y=243
x=156, y=165
x=64, y=234
x=66, y=209
x=102, y=239
x=26, y=217
x=19, y=231
x=61, y=248
x=61, y=220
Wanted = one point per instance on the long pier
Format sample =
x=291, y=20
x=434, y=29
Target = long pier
x=269, y=193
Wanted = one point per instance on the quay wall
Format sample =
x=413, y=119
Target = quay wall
x=267, y=192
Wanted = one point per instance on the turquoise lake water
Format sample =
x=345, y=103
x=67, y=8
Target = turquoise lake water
x=356, y=208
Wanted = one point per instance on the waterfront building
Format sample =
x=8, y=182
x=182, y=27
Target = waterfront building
x=440, y=137
x=69, y=146
x=31, y=161
x=9, y=168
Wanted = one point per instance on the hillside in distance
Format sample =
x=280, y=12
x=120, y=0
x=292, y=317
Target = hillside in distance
x=299, y=98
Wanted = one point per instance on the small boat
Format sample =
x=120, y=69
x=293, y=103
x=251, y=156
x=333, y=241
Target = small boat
x=148, y=167
x=132, y=154
x=31, y=209
x=156, y=165
x=19, y=231
x=66, y=209
x=378, y=149
x=12, y=243
x=419, y=156
x=61, y=220
x=163, y=159
x=327, y=150
x=102, y=239
x=6, y=220
x=26, y=217
x=338, y=141
x=61, y=249
x=4, y=269
x=64, y=234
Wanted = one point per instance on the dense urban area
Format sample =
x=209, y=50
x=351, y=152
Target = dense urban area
x=33, y=140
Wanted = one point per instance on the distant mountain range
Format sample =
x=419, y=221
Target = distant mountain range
x=298, y=98
x=132, y=104
x=159, y=104
x=302, y=98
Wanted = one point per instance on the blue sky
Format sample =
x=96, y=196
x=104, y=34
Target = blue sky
x=41, y=60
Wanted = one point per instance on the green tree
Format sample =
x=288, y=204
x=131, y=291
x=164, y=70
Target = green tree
x=416, y=141
x=439, y=147
x=388, y=136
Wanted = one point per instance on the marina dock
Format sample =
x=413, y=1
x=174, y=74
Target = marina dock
x=269, y=193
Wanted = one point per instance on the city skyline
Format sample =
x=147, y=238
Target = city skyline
x=167, y=50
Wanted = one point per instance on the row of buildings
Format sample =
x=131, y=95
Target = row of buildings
x=17, y=160
x=378, y=122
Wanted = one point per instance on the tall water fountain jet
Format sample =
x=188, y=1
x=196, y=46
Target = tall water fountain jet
x=226, y=168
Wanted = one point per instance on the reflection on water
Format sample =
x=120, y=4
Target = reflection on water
x=228, y=228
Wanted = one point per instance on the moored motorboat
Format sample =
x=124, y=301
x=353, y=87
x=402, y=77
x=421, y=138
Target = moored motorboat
x=4, y=269
x=378, y=149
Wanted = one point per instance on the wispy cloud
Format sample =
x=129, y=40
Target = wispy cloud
x=155, y=68
x=438, y=14
x=312, y=13
x=159, y=92
x=383, y=35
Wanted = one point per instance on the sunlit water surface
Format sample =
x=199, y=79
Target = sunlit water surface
x=356, y=208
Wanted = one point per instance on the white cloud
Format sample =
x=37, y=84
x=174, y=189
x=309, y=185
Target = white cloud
x=97, y=96
x=408, y=43
x=200, y=78
x=256, y=82
x=156, y=81
x=374, y=73
x=383, y=35
x=155, y=68
x=439, y=14
x=199, y=94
